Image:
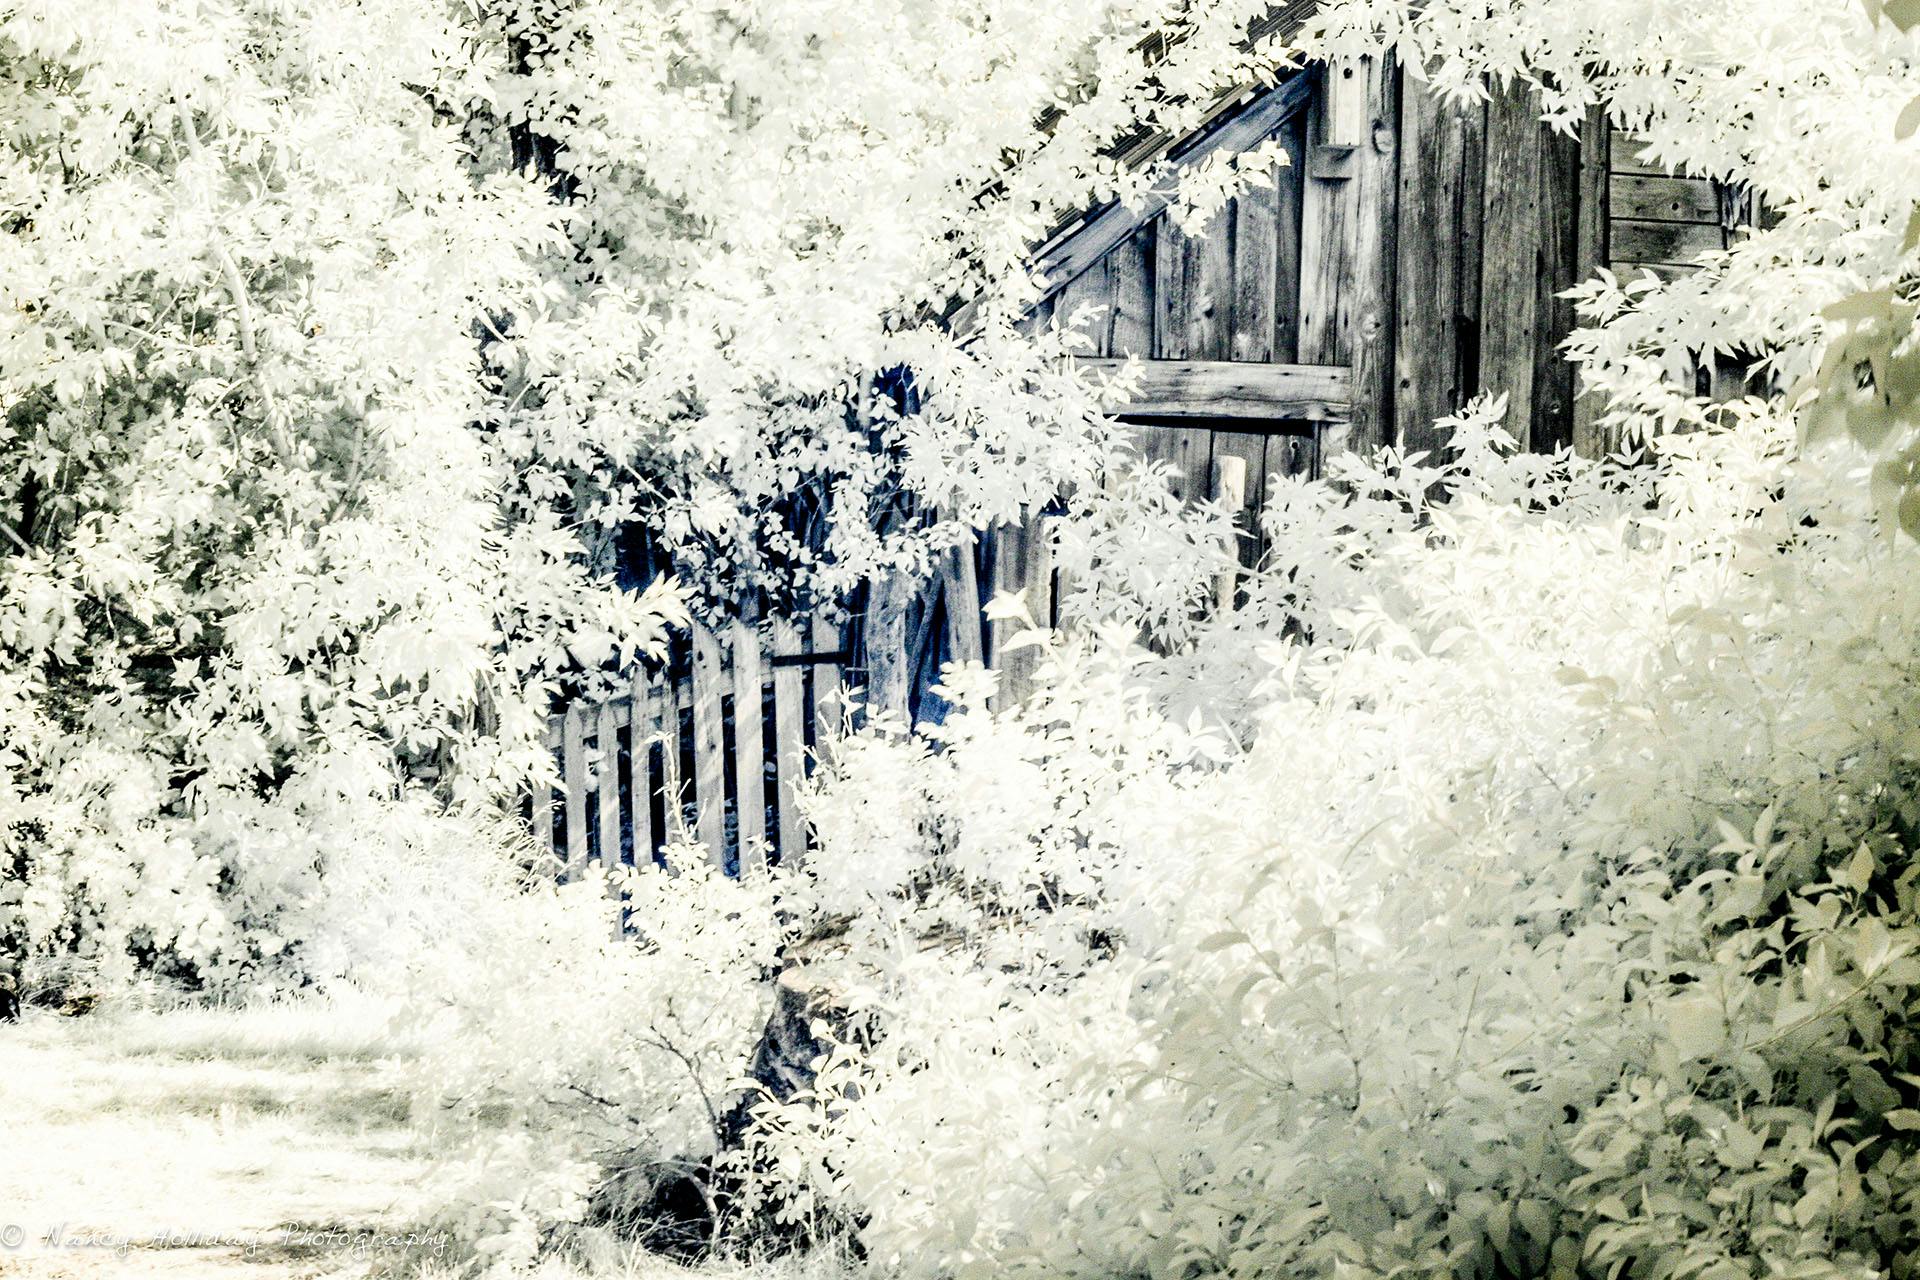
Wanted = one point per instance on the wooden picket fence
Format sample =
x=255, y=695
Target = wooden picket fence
x=717, y=752
x=715, y=756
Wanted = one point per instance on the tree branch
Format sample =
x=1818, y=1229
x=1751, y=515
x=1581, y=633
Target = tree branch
x=236, y=286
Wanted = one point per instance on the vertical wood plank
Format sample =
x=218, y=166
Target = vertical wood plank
x=1591, y=254
x=1230, y=491
x=1093, y=289
x=1064, y=582
x=1256, y=246
x=1172, y=290
x=1346, y=246
x=829, y=704
x=1030, y=573
x=607, y=773
x=749, y=748
x=1557, y=237
x=1509, y=264
x=1006, y=569
x=789, y=743
x=645, y=729
x=1730, y=372
x=1039, y=576
x=1185, y=449
x=959, y=579
x=1347, y=106
x=1210, y=276
x=574, y=770
x=1325, y=252
x=1130, y=271
x=1290, y=182
x=884, y=632
x=607, y=740
x=1248, y=451
x=1734, y=206
x=1376, y=236
x=1441, y=183
x=544, y=798
x=709, y=744
x=676, y=750
x=1292, y=454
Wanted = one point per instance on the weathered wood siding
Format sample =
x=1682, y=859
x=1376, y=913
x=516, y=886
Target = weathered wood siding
x=1661, y=222
x=1294, y=278
x=1418, y=246
x=1190, y=302
x=1497, y=216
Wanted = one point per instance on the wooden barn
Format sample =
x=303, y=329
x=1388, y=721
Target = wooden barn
x=1410, y=256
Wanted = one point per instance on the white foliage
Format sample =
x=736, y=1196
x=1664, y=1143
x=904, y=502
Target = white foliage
x=1396, y=986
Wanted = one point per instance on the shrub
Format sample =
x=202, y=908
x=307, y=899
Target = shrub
x=1542, y=908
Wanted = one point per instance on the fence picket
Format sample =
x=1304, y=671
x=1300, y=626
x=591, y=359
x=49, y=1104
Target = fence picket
x=574, y=770
x=544, y=800
x=645, y=727
x=709, y=744
x=607, y=772
x=736, y=664
x=829, y=709
x=749, y=748
x=789, y=742
x=675, y=698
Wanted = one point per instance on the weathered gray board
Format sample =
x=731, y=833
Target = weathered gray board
x=1200, y=307
x=1496, y=214
x=1659, y=223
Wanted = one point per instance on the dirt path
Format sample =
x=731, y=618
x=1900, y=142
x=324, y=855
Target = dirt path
x=184, y=1146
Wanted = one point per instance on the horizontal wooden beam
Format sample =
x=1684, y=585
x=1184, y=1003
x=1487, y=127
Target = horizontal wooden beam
x=1626, y=158
x=1243, y=390
x=1667, y=271
x=1672, y=242
x=1659, y=199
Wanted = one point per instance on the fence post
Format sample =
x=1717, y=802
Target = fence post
x=709, y=744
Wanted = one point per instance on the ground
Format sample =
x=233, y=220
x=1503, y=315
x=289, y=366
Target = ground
x=270, y=1142
x=204, y=1143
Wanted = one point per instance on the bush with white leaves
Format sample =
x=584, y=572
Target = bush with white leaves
x=1549, y=912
